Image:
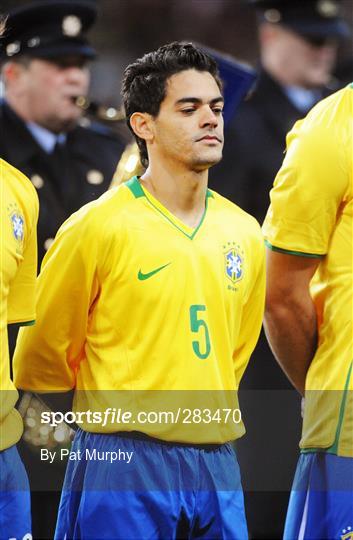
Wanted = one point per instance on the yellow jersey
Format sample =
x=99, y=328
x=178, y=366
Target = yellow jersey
x=135, y=310
x=311, y=214
x=18, y=252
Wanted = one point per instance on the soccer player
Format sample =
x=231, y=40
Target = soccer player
x=309, y=232
x=18, y=265
x=150, y=301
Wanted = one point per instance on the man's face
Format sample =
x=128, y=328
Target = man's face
x=306, y=64
x=189, y=126
x=48, y=89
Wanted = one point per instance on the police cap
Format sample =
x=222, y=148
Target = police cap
x=49, y=29
x=316, y=18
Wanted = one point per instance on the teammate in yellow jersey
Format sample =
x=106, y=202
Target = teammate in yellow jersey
x=309, y=233
x=150, y=303
x=18, y=265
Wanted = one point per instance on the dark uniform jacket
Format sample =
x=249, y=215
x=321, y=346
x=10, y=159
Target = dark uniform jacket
x=254, y=145
x=74, y=175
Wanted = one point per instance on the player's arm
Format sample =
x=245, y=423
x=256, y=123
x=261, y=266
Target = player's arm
x=48, y=355
x=305, y=201
x=253, y=309
x=290, y=316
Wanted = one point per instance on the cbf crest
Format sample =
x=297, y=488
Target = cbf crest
x=17, y=222
x=234, y=261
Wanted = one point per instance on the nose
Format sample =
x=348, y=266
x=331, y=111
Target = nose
x=209, y=117
x=76, y=75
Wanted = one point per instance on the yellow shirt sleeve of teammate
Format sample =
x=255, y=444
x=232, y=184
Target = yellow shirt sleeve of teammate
x=309, y=188
x=21, y=299
x=50, y=351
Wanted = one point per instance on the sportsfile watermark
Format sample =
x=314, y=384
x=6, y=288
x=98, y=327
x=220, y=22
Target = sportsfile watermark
x=121, y=417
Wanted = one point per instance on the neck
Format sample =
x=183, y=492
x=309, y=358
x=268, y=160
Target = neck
x=183, y=192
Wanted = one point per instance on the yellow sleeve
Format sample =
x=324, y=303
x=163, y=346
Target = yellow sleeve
x=253, y=311
x=21, y=298
x=48, y=354
x=308, y=189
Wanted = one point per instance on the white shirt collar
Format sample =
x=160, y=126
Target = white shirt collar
x=302, y=98
x=45, y=138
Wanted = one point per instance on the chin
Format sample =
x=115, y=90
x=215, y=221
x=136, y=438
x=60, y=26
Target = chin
x=66, y=124
x=318, y=79
x=208, y=161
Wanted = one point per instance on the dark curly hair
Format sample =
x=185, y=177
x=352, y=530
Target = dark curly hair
x=144, y=81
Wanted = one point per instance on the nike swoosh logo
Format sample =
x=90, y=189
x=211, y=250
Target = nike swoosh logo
x=141, y=276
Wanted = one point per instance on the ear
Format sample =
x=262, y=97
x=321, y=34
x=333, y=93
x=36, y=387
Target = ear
x=142, y=125
x=267, y=32
x=11, y=71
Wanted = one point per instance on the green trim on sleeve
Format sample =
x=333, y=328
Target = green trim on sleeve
x=135, y=187
x=23, y=323
x=289, y=252
x=28, y=323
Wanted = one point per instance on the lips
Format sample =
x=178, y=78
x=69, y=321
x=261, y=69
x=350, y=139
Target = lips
x=211, y=138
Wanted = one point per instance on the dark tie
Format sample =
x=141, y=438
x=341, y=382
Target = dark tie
x=59, y=162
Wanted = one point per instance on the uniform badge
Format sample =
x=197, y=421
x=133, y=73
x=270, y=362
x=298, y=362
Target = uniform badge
x=17, y=222
x=37, y=181
x=71, y=26
x=13, y=48
x=347, y=534
x=234, y=263
x=94, y=177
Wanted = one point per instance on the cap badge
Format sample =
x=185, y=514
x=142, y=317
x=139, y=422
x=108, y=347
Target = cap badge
x=33, y=42
x=327, y=8
x=13, y=48
x=272, y=16
x=71, y=26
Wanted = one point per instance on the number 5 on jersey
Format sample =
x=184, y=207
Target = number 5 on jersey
x=198, y=325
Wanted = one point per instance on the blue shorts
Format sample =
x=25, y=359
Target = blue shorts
x=128, y=486
x=15, y=506
x=321, y=501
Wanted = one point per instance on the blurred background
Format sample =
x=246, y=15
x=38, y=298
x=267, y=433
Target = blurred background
x=126, y=29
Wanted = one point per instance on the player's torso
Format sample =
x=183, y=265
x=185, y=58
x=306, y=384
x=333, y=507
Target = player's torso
x=169, y=308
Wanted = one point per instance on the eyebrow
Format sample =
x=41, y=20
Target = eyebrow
x=197, y=101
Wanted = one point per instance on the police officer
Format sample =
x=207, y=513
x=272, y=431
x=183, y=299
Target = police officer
x=298, y=44
x=44, y=56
